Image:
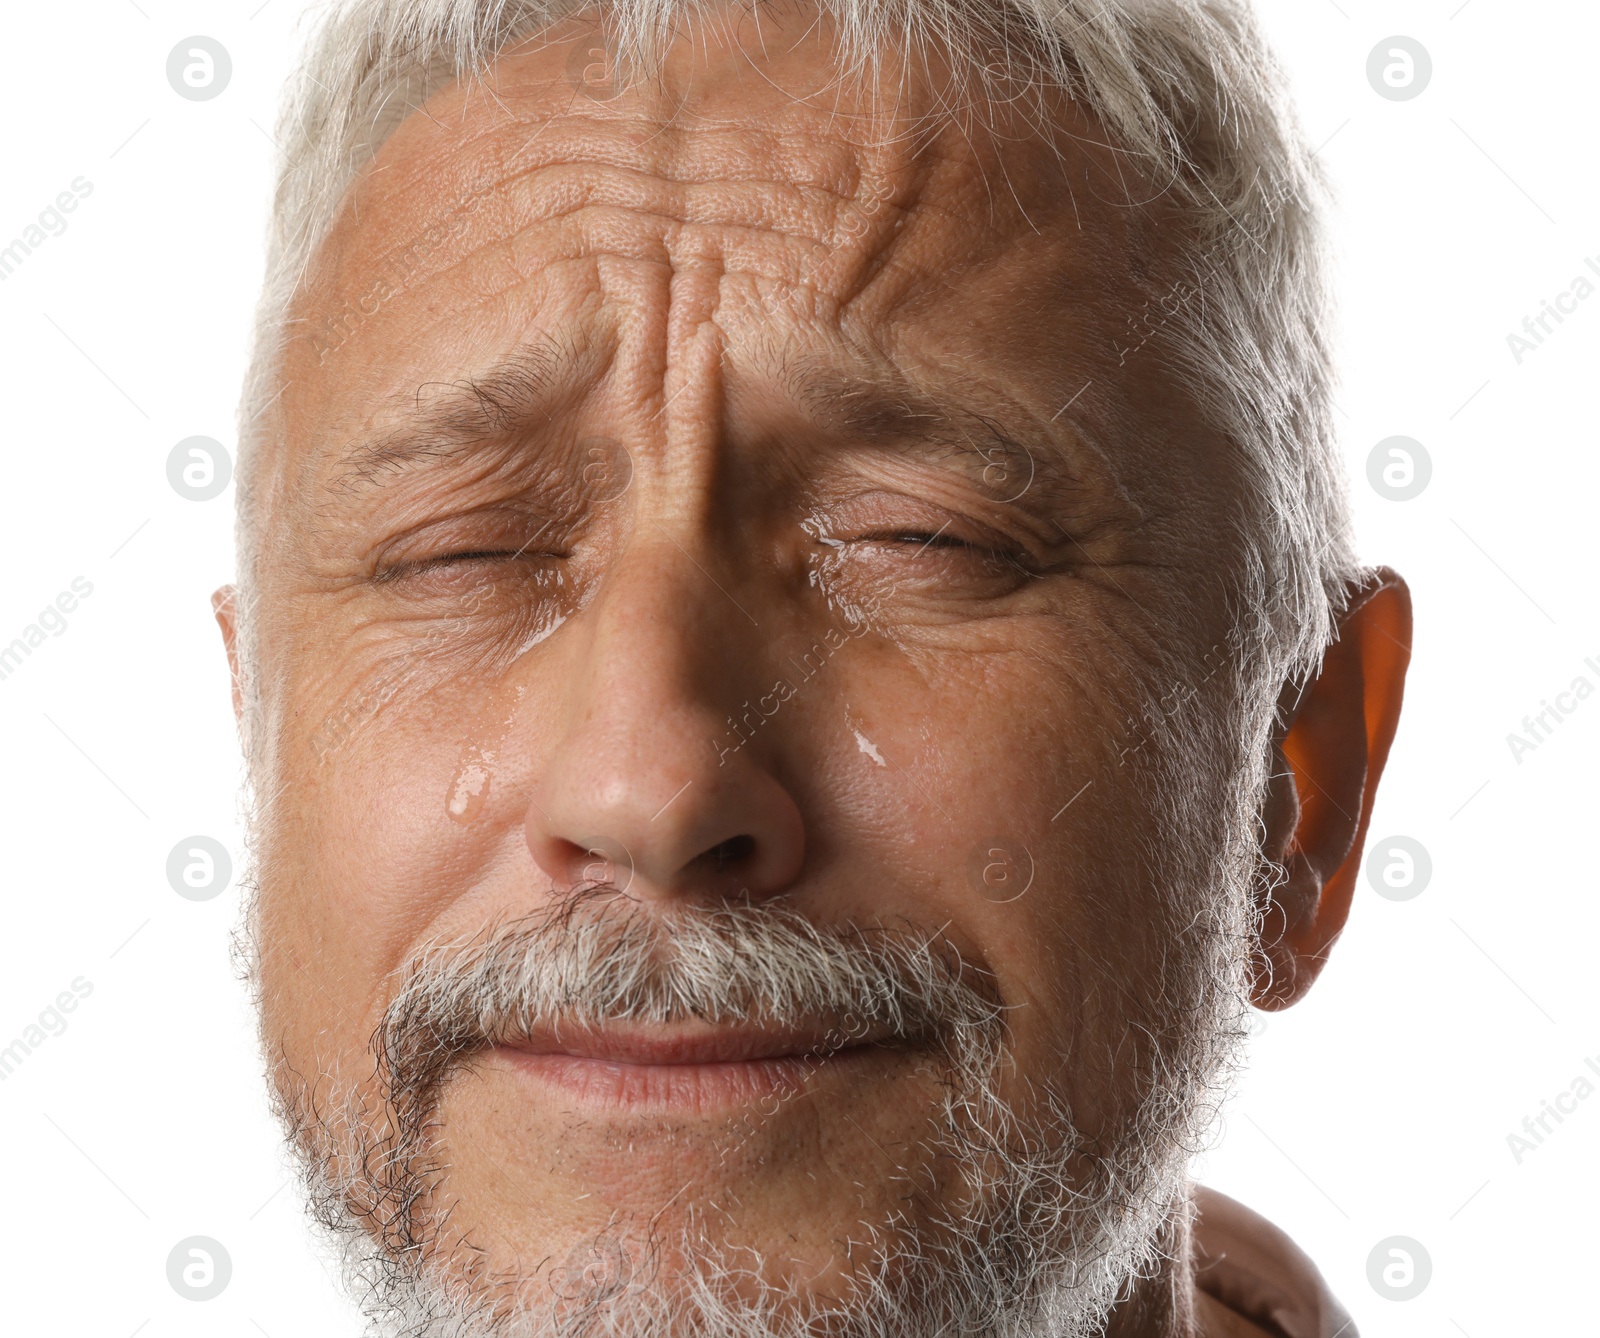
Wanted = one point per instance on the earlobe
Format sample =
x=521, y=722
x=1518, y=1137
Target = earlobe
x=1319, y=803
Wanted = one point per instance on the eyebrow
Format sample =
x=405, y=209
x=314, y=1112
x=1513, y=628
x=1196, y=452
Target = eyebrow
x=524, y=390
x=885, y=407
x=878, y=405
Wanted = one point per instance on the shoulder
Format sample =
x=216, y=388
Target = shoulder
x=1253, y=1280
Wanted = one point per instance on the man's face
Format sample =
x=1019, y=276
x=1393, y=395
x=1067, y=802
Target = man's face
x=725, y=498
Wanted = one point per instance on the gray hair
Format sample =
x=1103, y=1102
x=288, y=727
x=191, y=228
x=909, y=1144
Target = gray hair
x=1186, y=87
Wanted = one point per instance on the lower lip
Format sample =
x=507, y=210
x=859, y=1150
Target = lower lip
x=687, y=1089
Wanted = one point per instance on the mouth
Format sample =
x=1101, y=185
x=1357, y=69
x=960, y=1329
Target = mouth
x=702, y=1069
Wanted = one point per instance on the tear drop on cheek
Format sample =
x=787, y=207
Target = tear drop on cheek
x=546, y=628
x=468, y=791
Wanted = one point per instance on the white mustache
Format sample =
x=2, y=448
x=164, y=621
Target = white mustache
x=598, y=958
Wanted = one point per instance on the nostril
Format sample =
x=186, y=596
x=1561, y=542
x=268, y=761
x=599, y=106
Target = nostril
x=735, y=850
x=742, y=836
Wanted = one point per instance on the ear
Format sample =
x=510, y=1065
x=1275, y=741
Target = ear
x=1326, y=771
x=225, y=608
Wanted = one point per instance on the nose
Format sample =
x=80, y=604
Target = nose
x=648, y=788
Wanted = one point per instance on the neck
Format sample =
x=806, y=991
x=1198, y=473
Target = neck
x=1163, y=1304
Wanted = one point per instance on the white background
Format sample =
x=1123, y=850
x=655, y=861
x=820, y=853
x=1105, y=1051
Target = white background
x=1380, y=1107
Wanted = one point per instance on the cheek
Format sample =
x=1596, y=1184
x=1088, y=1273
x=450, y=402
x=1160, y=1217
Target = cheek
x=961, y=759
x=390, y=808
x=1003, y=812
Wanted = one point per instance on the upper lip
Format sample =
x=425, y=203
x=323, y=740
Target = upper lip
x=631, y=1043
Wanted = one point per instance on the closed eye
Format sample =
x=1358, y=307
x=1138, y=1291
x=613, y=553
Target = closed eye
x=923, y=538
x=920, y=540
x=463, y=558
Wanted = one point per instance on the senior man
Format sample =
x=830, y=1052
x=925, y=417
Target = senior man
x=800, y=660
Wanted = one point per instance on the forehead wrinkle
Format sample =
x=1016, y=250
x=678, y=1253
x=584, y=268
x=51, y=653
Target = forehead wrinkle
x=931, y=181
x=669, y=152
x=828, y=160
x=598, y=207
x=793, y=185
x=810, y=180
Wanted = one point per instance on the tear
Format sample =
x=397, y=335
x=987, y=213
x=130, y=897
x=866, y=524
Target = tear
x=869, y=748
x=468, y=791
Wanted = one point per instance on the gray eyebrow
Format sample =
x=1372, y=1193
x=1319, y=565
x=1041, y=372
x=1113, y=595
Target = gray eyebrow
x=521, y=391
x=883, y=406
x=442, y=420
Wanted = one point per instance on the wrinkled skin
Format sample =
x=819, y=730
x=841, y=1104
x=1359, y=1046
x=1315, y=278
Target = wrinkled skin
x=792, y=367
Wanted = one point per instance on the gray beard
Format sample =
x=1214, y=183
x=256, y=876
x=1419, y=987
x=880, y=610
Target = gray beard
x=1051, y=1230
x=1049, y=1234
